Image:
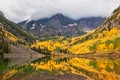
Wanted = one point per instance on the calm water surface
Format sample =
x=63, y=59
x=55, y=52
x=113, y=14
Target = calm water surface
x=44, y=68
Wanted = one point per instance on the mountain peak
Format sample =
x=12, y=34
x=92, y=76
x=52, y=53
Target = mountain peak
x=59, y=15
x=60, y=24
x=1, y=14
x=117, y=10
x=114, y=20
x=111, y=22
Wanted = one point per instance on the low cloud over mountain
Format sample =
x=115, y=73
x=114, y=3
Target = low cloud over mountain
x=19, y=10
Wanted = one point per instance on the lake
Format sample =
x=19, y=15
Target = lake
x=53, y=68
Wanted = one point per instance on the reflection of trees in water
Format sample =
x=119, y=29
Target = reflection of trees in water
x=58, y=61
x=3, y=65
x=48, y=58
x=95, y=69
x=44, y=59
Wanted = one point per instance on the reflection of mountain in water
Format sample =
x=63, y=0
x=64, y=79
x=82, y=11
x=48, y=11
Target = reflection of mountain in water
x=94, y=69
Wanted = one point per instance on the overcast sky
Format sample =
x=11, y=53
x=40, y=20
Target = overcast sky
x=19, y=10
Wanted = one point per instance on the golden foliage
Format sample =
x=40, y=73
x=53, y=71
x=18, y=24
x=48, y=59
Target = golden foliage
x=9, y=74
x=102, y=70
x=75, y=46
x=9, y=36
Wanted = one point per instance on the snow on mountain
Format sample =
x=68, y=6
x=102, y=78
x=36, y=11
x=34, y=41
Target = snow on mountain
x=74, y=24
x=61, y=25
x=42, y=28
x=65, y=26
x=33, y=26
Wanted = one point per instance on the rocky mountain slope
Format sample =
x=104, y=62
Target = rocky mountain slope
x=16, y=30
x=104, y=39
x=60, y=25
x=1, y=13
x=14, y=40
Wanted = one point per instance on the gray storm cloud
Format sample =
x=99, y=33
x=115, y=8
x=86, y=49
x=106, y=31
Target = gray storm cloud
x=19, y=10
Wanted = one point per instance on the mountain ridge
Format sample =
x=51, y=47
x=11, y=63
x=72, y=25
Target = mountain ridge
x=15, y=41
x=60, y=25
x=16, y=29
x=103, y=39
